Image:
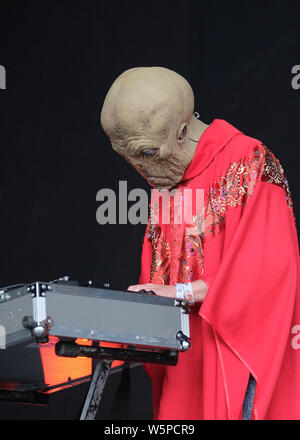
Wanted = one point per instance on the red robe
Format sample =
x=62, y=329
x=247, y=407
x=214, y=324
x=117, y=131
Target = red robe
x=248, y=253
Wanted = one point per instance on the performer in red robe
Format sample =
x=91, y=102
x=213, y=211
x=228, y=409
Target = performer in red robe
x=247, y=324
x=248, y=254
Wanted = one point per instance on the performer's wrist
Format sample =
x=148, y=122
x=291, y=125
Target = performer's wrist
x=200, y=289
x=194, y=292
x=185, y=291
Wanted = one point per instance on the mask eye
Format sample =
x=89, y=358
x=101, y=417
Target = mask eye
x=183, y=133
x=149, y=152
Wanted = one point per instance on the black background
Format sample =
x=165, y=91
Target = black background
x=61, y=58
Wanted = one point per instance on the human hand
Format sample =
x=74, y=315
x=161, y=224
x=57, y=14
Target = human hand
x=158, y=289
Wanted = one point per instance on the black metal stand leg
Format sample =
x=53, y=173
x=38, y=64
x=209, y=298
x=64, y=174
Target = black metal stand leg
x=96, y=389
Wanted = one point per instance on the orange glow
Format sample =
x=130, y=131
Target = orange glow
x=80, y=341
x=58, y=369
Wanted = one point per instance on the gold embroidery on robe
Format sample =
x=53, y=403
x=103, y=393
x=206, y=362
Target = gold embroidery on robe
x=274, y=173
x=191, y=261
x=160, y=266
x=230, y=191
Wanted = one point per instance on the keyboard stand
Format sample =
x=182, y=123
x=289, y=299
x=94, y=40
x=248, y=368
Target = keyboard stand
x=97, y=385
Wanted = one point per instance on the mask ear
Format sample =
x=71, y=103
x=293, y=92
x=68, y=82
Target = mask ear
x=182, y=132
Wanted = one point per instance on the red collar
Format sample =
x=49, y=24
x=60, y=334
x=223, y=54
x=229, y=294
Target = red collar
x=214, y=138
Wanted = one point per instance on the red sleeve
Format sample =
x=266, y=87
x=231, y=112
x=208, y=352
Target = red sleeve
x=251, y=302
x=146, y=258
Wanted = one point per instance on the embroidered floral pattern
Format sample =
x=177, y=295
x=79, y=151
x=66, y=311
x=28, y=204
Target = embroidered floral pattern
x=191, y=262
x=160, y=267
x=183, y=255
x=232, y=190
x=274, y=173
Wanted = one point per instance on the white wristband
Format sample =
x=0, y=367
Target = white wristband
x=185, y=291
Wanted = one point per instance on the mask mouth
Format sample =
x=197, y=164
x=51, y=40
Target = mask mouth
x=158, y=179
x=161, y=182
